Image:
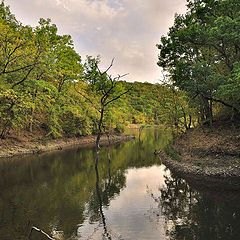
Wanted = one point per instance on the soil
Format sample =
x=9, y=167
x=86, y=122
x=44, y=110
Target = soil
x=26, y=143
x=206, y=156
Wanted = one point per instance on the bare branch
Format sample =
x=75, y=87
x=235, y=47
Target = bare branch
x=88, y=99
x=106, y=95
x=111, y=64
x=119, y=77
x=40, y=231
x=117, y=97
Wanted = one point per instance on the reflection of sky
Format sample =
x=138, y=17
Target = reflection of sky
x=134, y=214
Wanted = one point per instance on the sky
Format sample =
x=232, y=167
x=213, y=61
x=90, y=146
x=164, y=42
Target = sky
x=126, y=30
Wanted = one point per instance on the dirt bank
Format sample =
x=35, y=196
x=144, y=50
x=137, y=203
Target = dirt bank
x=29, y=145
x=204, y=156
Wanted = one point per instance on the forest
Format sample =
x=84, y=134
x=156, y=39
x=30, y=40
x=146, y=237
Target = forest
x=46, y=87
x=178, y=175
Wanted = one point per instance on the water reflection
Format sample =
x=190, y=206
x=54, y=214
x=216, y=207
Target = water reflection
x=57, y=191
x=99, y=193
x=125, y=194
x=198, y=214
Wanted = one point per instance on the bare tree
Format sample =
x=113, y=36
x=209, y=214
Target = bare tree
x=105, y=89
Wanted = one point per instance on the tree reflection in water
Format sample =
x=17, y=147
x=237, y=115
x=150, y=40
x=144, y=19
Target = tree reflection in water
x=57, y=191
x=198, y=214
x=99, y=195
x=107, y=187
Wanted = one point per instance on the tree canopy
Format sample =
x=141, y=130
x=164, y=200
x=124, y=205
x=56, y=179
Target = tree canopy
x=201, y=53
x=46, y=88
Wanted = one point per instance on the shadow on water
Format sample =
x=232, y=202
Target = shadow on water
x=192, y=213
x=100, y=194
x=121, y=193
x=100, y=202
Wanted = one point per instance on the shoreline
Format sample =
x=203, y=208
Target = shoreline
x=209, y=177
x=9, y=149
x=209, y=158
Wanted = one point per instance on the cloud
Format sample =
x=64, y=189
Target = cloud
x=124, y=29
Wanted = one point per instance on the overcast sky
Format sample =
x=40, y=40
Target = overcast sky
x=127, y=30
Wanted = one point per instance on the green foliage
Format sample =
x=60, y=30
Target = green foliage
x=45, y=87
x=159, y=104
x=13, y=108
x=36, y=65
x=201, y=53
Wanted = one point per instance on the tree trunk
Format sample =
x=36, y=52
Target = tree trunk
x=207, y=114
x=99, y=134
x=190, y=121
x=185, y=119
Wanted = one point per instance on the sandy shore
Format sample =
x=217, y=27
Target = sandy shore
x=206, y=157
x=14, y=147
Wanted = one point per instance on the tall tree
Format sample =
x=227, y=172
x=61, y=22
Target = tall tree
x=103, y=90
x=201, y=53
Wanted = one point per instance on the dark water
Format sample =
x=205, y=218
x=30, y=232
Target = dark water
x=129, y=195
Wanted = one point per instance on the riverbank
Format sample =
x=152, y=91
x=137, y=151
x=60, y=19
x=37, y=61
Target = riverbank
x=29, y=145
x=207, y=157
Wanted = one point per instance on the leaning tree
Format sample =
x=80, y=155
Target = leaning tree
x=102, y=90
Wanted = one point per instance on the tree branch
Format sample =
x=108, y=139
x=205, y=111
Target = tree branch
x=40, y=231
x=24, y=78
x=111, y=64
x=88, y=99
x=119, y=77
x=219, y=101
x=117, y=97
x=17, y=69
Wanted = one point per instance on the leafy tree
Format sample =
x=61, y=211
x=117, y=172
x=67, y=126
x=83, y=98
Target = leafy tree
x=35, y=67
x=201, y=53
x=45, y=87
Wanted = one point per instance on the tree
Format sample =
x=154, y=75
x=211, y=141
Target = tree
x=201, y=52
x=103, y=89
x=37, y=70
x=60, y=67
x=19, y=56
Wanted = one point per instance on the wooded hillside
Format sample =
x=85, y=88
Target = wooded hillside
x=46, y=88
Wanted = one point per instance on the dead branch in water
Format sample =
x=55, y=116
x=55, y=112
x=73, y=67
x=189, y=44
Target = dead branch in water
x=40, y=231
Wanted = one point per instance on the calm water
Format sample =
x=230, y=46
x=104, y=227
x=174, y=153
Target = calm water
x=129, y=195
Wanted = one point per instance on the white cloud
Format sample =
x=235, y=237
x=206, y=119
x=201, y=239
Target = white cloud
x=124, y=29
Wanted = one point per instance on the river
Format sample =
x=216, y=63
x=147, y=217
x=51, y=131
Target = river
x=129, y=195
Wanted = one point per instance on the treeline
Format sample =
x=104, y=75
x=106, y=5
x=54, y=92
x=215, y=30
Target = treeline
x=47, y=90
x=160, y=104
x=44, y=86
x=37, y=67
x=201, y=53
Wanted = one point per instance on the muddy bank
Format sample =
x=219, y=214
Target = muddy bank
x=206, y=157
x=16, y=147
